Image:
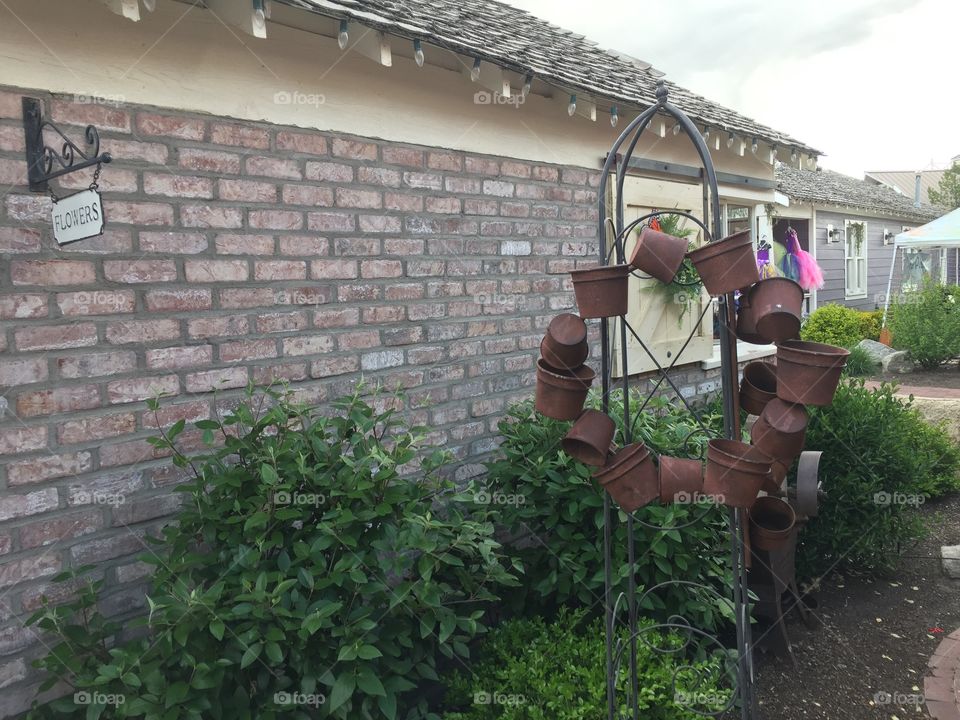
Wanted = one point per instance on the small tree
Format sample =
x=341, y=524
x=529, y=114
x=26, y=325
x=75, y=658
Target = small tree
x=947, y=193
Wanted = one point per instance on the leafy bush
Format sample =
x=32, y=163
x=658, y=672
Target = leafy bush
x=880, y=461
x=927, y=324
x=870, y=322
x=835, y=325
x=531, y=670
x=557, y=529
x=304, y=565
x=859, y=363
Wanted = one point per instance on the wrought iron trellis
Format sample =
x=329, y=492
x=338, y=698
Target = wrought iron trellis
x=617, y=649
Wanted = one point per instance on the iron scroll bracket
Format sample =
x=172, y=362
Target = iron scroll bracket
x=44, y=163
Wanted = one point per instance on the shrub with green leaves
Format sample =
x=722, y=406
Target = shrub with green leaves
x=880, y=461
x=835, y=325
x=926, y=323
x=870, y=323
x=305, y=575
x=534, y=670
x=557, y=529
x=859, y=363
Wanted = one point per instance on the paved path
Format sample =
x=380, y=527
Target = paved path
x=942, y=688
x=927, y=392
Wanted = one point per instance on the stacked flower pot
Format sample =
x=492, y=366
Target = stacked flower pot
x=736, y=472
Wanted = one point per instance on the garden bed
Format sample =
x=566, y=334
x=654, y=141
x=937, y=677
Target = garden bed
x=945, y=376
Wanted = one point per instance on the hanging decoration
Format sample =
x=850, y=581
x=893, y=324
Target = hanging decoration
x=799, y=265
x=765, y=264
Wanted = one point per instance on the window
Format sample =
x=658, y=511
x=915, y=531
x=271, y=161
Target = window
x=855, y=258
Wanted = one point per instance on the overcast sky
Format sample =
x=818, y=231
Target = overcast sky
x=874, y=84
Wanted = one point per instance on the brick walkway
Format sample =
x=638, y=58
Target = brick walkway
x=927, y=392
x=942, y=688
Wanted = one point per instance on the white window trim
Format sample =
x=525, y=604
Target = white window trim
x=866, y=259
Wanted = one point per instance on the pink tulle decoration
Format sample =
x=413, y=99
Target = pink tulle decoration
x=809, y=274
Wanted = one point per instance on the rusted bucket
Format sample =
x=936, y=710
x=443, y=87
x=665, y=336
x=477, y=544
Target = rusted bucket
x=776, y=305
x=589, y=439
x=771, y=522
x=681, y=479
x=758, y=386
x=747, y=322
x=735, y=472
x=561, y=395
x=658, y=254
x=565, y=346
x=809, y=372
x=631, y=477
x=727, y=264
x=601, y=291
x=780, y=430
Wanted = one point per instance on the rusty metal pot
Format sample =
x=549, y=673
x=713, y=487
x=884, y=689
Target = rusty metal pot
x=658, y=254
x=589, y=439
x=681, y=479
x=771, y=522
x=727, y=264
x=780, y=430
x=565, y=346
x=809, y=372
x=747, y=322
x=758, y=386
x=601, y=291
x=776, y=306
x=561, y=395
x=735, y=472
x=630, y=477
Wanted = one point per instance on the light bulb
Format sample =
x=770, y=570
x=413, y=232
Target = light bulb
x=475, y=70
x=344, y=37
x=706, y=134
x=614, y=116
x=527, y=83
x=754, y=145
x=572, y=105
x=418, y=52
x=730, y=140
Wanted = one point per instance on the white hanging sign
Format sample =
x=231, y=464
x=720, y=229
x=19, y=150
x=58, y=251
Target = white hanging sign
x=77, y=217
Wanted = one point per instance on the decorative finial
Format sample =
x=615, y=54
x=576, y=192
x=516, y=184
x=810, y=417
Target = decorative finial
x=661, y=91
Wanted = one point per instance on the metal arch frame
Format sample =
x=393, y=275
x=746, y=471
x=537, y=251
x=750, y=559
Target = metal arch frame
x=728, y=355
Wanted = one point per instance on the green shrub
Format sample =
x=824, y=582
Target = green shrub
x=927, y=324
x=880, y=462
x=859, y=363
x=302, y=563
x=557, y=529
x=870, y=322
x=835, y=325
x=531, y=670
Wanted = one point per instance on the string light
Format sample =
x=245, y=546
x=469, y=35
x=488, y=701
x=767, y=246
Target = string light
x=344, y=37
x=614, y=116
x=418, y=52
x=527, y=83
x=572, y=105
x=475, y=70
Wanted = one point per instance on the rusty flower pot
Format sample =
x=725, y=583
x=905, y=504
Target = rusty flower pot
x=589, y=439
x=758, y=387
x=776, y=305
x=778, y=473
x=561, y=395
x=771, y=522
x=630, y=477
x=658, y=254
x=809, y=372
x=680, y=478
x=735, y=472
x=747, y=322
x=565, y=345
x=601, y=291
x=727, y=264
x=780, y=430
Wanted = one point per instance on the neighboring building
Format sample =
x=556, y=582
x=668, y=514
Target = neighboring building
x=281, y=208
x=904, y=182
x=849, y=225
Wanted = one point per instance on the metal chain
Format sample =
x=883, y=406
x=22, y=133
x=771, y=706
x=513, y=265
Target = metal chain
x=96, y=176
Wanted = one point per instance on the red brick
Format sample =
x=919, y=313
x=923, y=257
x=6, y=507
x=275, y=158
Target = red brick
x=463, y=186
x=114, y=241
x=307, y=345
x=307, y=295
x=58, y=400
x=357, y=246
x=247, y=297
x=146, y=508
x=304, y=245
x=167, y=414
x=273, y=167
x=186, y=186
x=97, y=364
x=55, y=337
x=213, y=161
x=95, y=428
x=358, y=291
x=138, y=213
x=52, y=273
x=331, y=366
x=336, y=317
x=244, y=244
x=171, y=126
x=307, y=195
x=404, y=291
x=221, y=379
x=549, y=174
x=378, y=176
x=131, y=452
x=404, y=203
x=280, y=270
x=172, y=243
x=482, y=166
x=448, y=205
x=140, y=271
x=281, y=322
x=23, y=306
x=248, y=350
x=333, y=269
x=120, y=181
x=354, y=149
x=209, y=216
x=176, y=358
x=242, y=135
x=57, y=529
x=381, y=268
x=101, y=115
x=96, y=302
x=11, y=138
x=275, y=219
x=350, y=198
x=48, y=467
x=27, y=568
x=403, y=156
x=29, y=208
x=141, y=388
x=179, y=300
x=22, y=439
x=127, y=150
x=331, y=221
x=11, y=106
x=269, y=374
x=383, y=314
x=358, y=340
x=22, y=371
x=311, y=144
x=142, y=331
x=101, y=549
x=329, y=172
x=217, y=326
x=252, y=191
x=206, y=271
x=19, y=240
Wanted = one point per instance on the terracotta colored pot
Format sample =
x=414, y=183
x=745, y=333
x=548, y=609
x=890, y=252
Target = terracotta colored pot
x=774, y=481
x=658, y=254
x=561, y=395
x=727, y=264
x=735, y=472
x=590, y=437
x=780, y=430
x=758, y=387
x=601, y=291
x=631, y=477
x=776, y=305
x=747, y=322
x=565, y=345
x=681, y=479
x=771, y=522
x=809, y=372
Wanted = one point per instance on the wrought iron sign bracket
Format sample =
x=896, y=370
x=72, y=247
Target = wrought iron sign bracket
x=41, y=158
